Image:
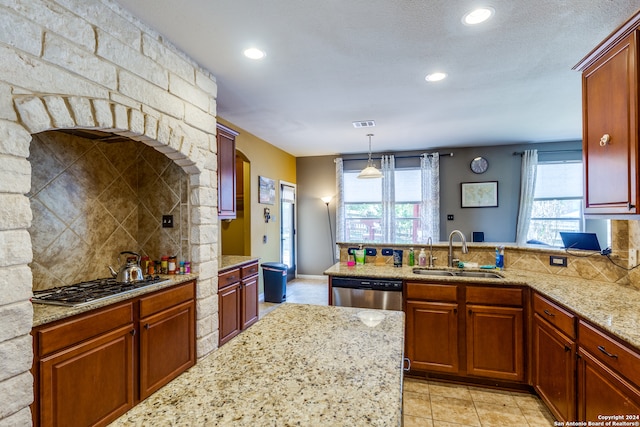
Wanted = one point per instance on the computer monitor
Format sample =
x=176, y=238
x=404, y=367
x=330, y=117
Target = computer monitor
x=586, y=241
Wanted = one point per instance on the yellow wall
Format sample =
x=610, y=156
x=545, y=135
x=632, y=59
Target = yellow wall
x=271, y=162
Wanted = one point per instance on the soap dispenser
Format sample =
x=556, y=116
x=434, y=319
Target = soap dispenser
x=422, y=258
x=500, y=258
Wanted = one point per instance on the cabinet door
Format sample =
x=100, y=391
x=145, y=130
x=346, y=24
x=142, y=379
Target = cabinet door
x=432, y=336
x=554, y=369
x=495, y=343
x=226, y=174
x=167, y=346
x=229, y=312
x=602, y=392
x=90, y=383
x=609, y=97
x=249, y=306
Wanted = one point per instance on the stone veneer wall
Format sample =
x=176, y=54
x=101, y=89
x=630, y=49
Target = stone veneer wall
x=89, y=64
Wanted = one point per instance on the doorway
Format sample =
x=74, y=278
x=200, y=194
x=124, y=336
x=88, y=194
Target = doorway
x=288, y=228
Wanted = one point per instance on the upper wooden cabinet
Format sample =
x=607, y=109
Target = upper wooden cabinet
x=226, y=138
x=610, y=123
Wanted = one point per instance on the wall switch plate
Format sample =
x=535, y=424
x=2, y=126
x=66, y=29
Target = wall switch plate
x=264, y=239
x=450, y=217
x=370, y=252
x=387, y=252
x=167, y=221
x=558, y=261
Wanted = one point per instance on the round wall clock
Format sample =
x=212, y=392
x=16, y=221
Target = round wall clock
x=479, y=165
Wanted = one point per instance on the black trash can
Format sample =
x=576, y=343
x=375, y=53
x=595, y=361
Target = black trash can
x=275, y=281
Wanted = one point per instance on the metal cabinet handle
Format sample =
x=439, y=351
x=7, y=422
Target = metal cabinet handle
x=606, y=139
x=602, y=349
x=133, y=332
x=408, y=368
x=567, y=347
x=146, y=326
x=455, y=311
x=548, y=313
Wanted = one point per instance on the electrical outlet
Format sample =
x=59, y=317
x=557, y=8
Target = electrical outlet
x=449, y=217
x=264, y=239
x=167, y=221
x=387, y=252
x=558, y=261
x=350, y=251
x=370, y=252
x=633, y=257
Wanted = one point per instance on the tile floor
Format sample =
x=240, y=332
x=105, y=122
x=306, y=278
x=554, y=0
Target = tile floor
x=436, y=404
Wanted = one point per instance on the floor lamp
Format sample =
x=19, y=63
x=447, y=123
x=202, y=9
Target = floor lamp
x=326, y=201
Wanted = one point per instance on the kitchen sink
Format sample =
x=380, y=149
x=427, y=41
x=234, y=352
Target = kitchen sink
x=458, y=273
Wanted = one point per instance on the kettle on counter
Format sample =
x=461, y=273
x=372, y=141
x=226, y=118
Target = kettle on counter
x=130, y=272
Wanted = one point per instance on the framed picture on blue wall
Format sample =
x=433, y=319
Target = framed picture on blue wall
x=479, y=194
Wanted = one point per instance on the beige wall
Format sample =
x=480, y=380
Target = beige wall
x=271, y=162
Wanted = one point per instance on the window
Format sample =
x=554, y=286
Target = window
x=557, y=202
x=364, y=208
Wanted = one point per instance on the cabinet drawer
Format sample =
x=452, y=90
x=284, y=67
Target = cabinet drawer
x=249, y=270
x=72, y=332
x=494, y=295
x=432, y=291
x=228, y=278
x=166, y=298
x=613, y=354
x=554, y=314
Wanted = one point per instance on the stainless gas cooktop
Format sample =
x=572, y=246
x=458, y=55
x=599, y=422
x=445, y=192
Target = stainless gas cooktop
x=89, y=292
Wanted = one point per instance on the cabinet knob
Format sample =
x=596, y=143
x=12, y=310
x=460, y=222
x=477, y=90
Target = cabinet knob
x=146, y=326
x=606, y=138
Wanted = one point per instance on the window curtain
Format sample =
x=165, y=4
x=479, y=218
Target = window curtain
x=388, y=167
x=527, y=189
x=340, y=237
x=430, y=203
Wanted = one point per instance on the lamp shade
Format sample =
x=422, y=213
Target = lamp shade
x=370, y=172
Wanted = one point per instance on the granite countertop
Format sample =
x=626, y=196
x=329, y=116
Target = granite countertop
x=300, y=365
x=226, y=262
x=611, y=306
x=45, y=313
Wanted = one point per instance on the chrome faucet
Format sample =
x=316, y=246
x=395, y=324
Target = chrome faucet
x=431, y=257
x=464, y=246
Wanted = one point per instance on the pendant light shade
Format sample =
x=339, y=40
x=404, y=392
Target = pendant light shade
x=370, y=171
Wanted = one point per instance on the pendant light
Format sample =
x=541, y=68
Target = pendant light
x=370, y=171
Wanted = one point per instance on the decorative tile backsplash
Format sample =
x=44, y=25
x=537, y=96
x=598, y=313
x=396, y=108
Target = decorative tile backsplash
x=579, y=263
x=92, y=200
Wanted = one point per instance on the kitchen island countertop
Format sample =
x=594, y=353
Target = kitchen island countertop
x=611, y=306
x=299, y=365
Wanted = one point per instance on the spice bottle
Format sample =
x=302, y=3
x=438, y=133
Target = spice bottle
x=187, y=267
x=181, y=270
x=144, y=263
x=173, y=264
x=151, y=269
x=164, y=264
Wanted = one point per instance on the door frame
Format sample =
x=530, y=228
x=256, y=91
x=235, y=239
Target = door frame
x=292, y=270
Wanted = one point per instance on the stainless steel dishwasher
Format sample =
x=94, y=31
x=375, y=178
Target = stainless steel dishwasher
x=385, y=294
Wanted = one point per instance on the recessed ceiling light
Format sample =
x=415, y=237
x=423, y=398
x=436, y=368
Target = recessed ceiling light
x=254, y=53
x=435, y=77
x=478, y=16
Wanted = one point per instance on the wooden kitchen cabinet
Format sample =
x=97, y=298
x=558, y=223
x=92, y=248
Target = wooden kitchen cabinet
x=554, y=357
x=611, y=123
x=86, y=368
x=432, y=327
x=95, y=366
x=226, y=142
x=167, y=336
x=237, y=300
x=467, y=331
x=495, y=333
x=608, y=375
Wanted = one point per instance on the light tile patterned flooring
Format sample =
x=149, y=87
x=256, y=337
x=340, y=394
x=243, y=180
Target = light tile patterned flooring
x=436, y=404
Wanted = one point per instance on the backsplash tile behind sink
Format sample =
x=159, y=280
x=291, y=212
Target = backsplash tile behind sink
x=91, y=200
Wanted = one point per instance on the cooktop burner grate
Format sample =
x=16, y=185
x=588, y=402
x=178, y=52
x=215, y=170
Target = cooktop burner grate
x=90, y=291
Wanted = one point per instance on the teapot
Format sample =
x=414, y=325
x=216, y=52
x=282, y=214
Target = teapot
x=131, y=271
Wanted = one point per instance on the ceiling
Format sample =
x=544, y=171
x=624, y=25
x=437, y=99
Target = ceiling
x=333, y=62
